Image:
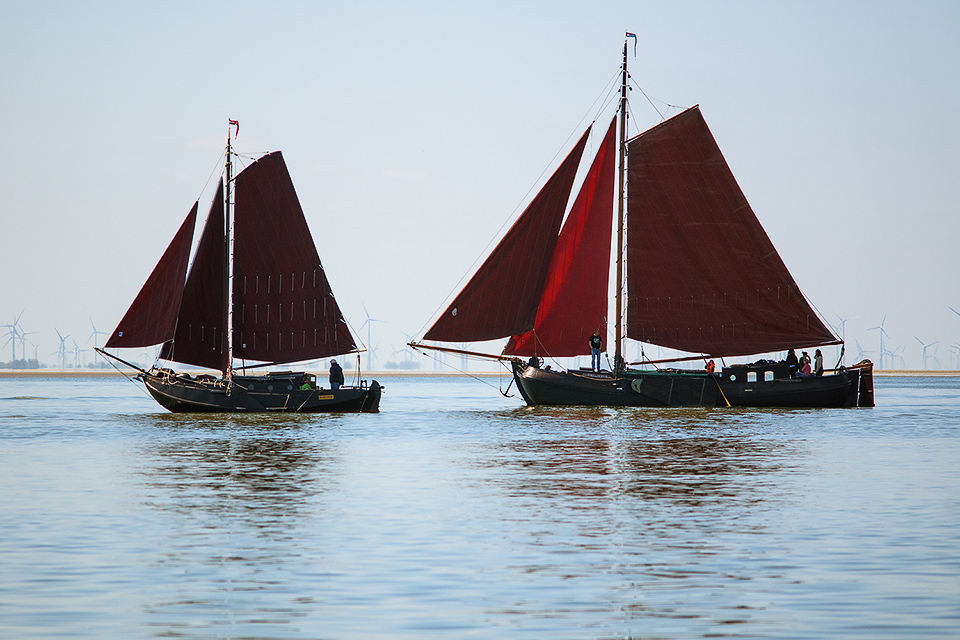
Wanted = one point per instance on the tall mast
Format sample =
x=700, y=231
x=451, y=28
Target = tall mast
x=618, y=356
x=227, y=253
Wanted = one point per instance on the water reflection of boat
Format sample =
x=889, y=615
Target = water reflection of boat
x=695, y=272
x=280, y=308
x=678, y=456
x=241, y=468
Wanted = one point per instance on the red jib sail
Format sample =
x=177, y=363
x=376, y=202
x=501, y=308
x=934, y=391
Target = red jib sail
x=702, y=275
x=200, y=338
x=152, y=317
x=502, y=297
x=283, y=307
x=574, y=302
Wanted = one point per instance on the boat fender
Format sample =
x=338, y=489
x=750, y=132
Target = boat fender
x=635, y=384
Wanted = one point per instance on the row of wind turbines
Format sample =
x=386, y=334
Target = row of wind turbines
x=71, y=355
x=67, y=356
x=893, y=358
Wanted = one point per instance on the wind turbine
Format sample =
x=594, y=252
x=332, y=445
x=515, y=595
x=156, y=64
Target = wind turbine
x=94, y=335
x=62, y=353
x=11, y=337
x=897, y=354
x=368, y=323
x=14, y=334
x=882, y=333
x=925, y=347
x=76, y=355
x=861, y=354
x=841, y=328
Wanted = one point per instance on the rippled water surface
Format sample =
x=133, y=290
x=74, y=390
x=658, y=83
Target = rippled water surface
x=458, y=513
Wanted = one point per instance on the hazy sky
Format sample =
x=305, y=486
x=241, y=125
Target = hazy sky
x=414, y=130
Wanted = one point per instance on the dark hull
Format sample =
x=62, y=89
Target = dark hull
x=846, y=388
x=258, y=394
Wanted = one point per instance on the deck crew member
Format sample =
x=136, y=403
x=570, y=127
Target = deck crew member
x=336, y=375
x=596, y=342
x=792, y=363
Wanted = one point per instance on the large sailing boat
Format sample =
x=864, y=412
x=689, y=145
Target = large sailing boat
x=695, y=272
x=280, y=308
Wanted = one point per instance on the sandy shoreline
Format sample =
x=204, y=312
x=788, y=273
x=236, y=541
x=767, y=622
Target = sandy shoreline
x=100, y=373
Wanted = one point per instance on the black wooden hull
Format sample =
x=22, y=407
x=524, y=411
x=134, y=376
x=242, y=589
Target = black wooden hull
x=281, y=393
x=846, y=388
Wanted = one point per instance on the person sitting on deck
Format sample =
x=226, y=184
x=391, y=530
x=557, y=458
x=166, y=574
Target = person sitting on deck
x=805, y=371
x=596, y=342
x=711, y=366
x=336, y=375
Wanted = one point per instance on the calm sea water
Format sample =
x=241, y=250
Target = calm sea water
x=458, y=513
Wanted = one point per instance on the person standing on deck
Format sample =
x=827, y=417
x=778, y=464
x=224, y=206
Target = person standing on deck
x=596, y=343
x=792, y=362
x=336, y=375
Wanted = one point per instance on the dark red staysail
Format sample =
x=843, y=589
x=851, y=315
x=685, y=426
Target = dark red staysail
x=574, y=302
x=200, y=338
x=502, y=297
x=152, y=317
x=283, y=307
x=702, y=275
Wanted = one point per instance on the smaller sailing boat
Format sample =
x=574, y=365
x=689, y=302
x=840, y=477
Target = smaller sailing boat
x=695, y=272
x=280, y=308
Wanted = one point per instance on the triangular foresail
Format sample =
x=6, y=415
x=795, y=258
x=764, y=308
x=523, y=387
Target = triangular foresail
x=283, y=307
x=574, y=301
x=702, y=275
x=200, y=338
x=502, y=297
x=152, y=317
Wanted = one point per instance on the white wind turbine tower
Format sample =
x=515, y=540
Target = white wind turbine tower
x=882, y=333
x=94, y=335
x=14, y=335
x=76, y=355
x=897, y=355
x=370, y=348
x=62, y=353
x=925, y=347
x=841, y=328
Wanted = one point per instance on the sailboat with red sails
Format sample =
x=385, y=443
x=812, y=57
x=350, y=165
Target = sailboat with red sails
x=694, y=272
x=255, y=293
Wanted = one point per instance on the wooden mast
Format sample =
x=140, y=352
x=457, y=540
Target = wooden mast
x=618, y=364
x=227, y=253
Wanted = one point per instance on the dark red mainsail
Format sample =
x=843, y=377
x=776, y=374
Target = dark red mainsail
x=502, y=297
x=702, y=275
x=200, y=338
x=283, y=307
x=574, y=301
x=152, y=317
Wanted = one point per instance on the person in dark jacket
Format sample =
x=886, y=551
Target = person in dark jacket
x=792, y=362
x=336, y=375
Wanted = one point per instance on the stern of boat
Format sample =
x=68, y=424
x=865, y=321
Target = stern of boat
x=865, y=388
x=371, y=400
